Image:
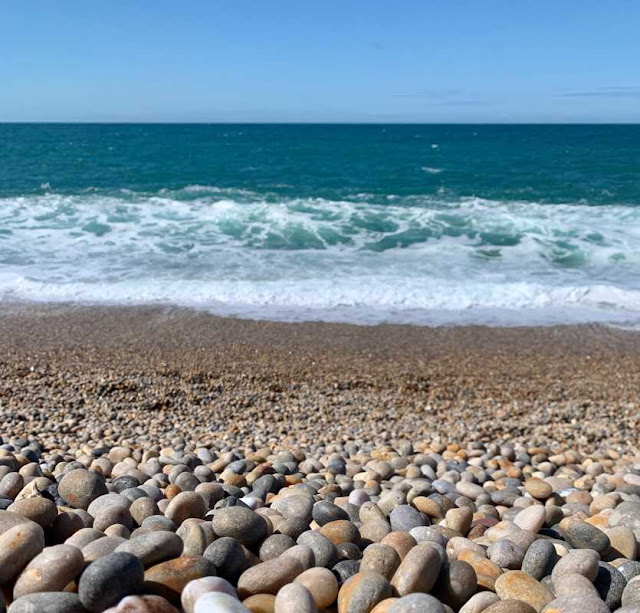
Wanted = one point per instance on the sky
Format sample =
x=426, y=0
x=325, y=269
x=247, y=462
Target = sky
x=331, y=61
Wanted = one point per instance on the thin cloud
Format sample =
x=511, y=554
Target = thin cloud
x=614, y=91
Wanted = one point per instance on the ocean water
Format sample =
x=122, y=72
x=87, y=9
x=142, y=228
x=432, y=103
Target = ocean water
x=425, y=224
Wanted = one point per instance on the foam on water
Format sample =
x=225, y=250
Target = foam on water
x=418, y=259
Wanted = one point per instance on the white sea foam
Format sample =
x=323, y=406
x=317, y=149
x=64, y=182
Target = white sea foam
x=415, y=259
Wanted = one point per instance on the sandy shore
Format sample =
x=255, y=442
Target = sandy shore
x=81, y=373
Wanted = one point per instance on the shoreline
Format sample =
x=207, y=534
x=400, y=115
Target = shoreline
x=177, y=372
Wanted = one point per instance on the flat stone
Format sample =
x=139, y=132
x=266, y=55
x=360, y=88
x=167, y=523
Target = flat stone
x=109, y=579
x=50, y=571
x=101, y=547
x=518, y=585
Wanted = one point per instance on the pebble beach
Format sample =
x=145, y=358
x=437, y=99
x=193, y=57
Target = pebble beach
x=158, y=460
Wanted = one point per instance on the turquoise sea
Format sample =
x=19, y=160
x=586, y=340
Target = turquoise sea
x=428, y=224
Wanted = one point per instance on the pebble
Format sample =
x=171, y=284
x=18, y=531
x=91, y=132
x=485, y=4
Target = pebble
x=50, y=602
x=343, y=526
x=361, y=592
x=294, y=598
x=109, y=579
x=518, y=585
x=268, y=577
x=80, y=487
x=218, y=602
x=18, y=546
x=423, y=603
x=418, y=571
x=322, y=584
x=50, y=571
x=240, y=523
x=154, y=547
x=168, y=579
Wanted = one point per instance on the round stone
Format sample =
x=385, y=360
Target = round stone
x=610, y=584
x=38, y=509
x=581, y=561
x=532, y=518
x=418, y=571
x=50, y=571
x=228, y=556
x=184, y=506
x=518, y=585
x=168, y=579
x=381, y=559
x=540, y=559
x=109, y=579
x=18, y=546
x=456, y=583
x=361, y=592
x=322, y=585
x=479, y=602
x=325, y=511
x=48, y=602
x=154, y=547
x=268, y=577
x=240, y=523
x=80, y=487
x=340, y=531
x=147, y=603
x=423, y=603
x=196, y=588
x=576, y=604
x=218, y=602
x=581, y=535
x=275, y=545
x=294, y=598
x=404, y=517
x=538, y=488
x=324, y=551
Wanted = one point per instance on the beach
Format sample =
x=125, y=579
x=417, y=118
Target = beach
x=72, y=373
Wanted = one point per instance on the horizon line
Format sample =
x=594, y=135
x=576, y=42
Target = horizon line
x=323, y=123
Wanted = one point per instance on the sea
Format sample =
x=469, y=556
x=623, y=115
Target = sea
x=500, y=225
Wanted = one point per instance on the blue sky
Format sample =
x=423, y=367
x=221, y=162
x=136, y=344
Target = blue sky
x=334, y=61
